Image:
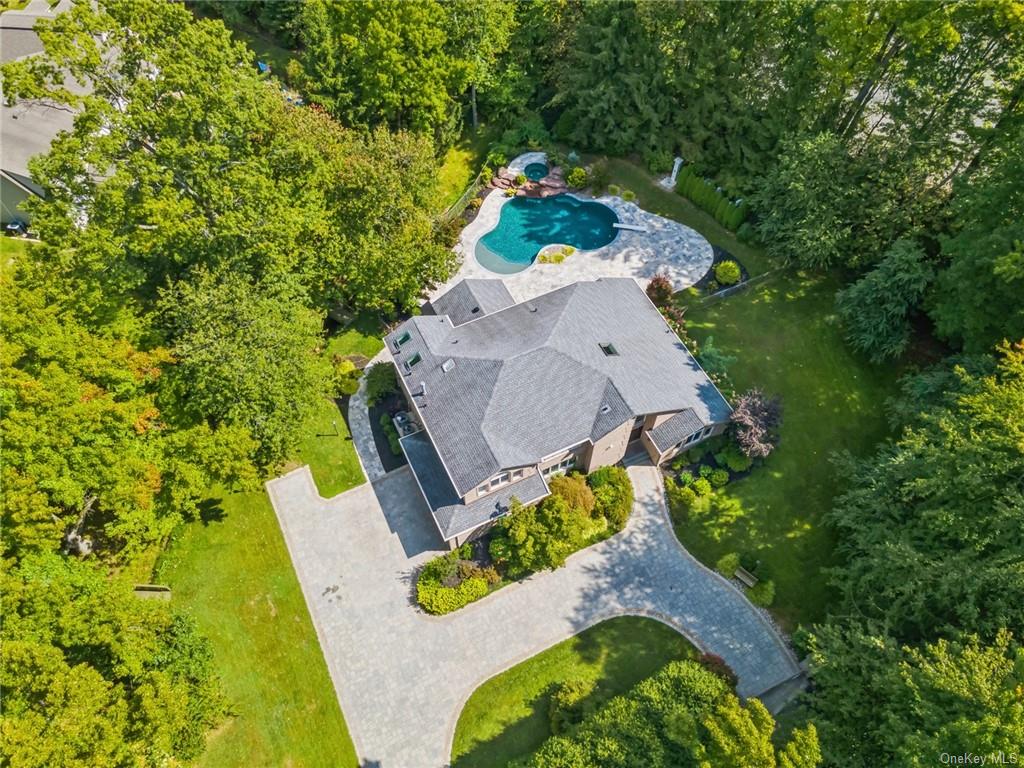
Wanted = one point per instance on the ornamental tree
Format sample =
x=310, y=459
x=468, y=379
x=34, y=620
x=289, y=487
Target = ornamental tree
x=756, y=421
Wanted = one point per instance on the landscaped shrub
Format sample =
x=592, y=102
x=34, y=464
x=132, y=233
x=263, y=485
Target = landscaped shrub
x=628, y=195
x=703, y=194
x=719, y=478
x=685, y=478
x=381, y=381
x=475, y=203
x=391, y=434
x=757, y=420
x=680, y=500
x=448, y=232
x=660, y=290
x=520, y=179
x=541, y=536
x=746, y=233
x=614, y=189
x=576, y=178
x=510, y=192
x=598, y=176
x=438, y=599
x=701, y=486
x=727, y=272
x=345, y=374
x=613, y=495
x=574, y=489
x=486, y=174
x=568, y=250
x=497, y=157
x=733, y=458
x=658, y=160
x=695, y=454
x=727, y=564
x=566, y=708
x=762, y=593
x=705, y=470
x=717, y=666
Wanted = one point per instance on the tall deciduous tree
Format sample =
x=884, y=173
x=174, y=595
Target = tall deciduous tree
x=94, y=676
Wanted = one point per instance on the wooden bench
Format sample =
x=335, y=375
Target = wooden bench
x=746, y=577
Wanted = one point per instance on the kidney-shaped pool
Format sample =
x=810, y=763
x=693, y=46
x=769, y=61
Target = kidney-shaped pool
x=527, y=224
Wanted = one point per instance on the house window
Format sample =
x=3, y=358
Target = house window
x=482, y=489
x=402, y=339
x=560, y=467
x=517, y=474
x=412, y=361
x=609, y=349
x=707, y=431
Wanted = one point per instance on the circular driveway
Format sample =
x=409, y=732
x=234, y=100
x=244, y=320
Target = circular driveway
x=402, y=676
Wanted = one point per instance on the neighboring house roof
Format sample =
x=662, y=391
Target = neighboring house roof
x=674, y=430
x=451, y=515
x=520, y=384
x=471, y=299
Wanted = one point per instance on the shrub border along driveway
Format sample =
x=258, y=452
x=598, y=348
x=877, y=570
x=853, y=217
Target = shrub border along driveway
x=402, y=677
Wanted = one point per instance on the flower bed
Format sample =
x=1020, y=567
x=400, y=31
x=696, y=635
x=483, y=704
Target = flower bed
x=579, y=512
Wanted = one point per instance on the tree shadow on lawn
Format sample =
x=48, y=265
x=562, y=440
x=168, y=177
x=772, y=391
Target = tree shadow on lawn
x=211, y=511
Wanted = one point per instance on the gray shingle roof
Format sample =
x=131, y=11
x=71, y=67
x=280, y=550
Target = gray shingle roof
x=675, y=430
x=532, y=379
x=471, y=299
x=451, y=515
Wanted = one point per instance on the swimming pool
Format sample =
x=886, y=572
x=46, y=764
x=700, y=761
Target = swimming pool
x=535, y=171
x=529, y=223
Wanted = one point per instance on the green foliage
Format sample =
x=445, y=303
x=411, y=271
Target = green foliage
x=93, y=675
x=683, y=715
x=876, y=309
x=574, y=489
x=658, y=160
x=732, y=457
x=438, y=599
x=762, y=593
x=567, y=704
x=391, y=434
x=702, y=193
x=520, y=179
x=705, y=471
x=576, y=178
x=613, y=495
x=701, y=486
x=629, y=195
x=614, y=189
x=345, y=375
x=719, y=478
x=598, y=176
x=245, y=357
x=381, y=382
x=727, y=272
x=728, y=564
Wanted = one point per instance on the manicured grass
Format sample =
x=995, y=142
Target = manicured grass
x=785, y=338
x=233, y=573
x=461, y=164
x=506, y=718
x=264, y=45
x=652, y=197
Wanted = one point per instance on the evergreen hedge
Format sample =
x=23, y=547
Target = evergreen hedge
x=704, y=195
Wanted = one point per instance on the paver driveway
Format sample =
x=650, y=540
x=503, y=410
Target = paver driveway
x=402, y=676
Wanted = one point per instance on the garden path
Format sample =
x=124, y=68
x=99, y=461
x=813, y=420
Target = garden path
x=402, y=677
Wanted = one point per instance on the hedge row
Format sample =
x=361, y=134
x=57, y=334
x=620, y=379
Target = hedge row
x=704, y=195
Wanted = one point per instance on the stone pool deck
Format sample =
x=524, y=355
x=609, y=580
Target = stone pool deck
x=664, y=246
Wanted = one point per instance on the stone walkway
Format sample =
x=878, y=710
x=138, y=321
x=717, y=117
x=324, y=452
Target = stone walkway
x=402, y=677
x=359, y=425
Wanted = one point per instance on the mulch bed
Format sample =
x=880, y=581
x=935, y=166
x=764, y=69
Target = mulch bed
x=709, y=277
x=391, y=405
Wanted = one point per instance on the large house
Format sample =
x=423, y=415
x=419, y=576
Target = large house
x=508, y=394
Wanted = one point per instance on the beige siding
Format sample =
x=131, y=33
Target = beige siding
x=672, y=452
x=608, y=450
x=472, y=495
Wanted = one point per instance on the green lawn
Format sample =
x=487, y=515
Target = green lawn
x=507, y=717
x=653, y=197
x=233, y=573
x=784, y=335
x=461, y=164
x=12, y=248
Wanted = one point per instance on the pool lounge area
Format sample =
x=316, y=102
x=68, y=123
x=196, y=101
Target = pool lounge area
x=642, y=245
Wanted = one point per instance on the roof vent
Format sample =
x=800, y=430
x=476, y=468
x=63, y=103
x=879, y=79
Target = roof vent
x=531, y=307
x=474, y=310
x=447, y=365
x=605, y=408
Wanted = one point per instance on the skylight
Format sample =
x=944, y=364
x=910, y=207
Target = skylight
x=609, y=349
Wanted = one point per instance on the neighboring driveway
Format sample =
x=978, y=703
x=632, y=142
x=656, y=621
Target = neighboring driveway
x=402, y=677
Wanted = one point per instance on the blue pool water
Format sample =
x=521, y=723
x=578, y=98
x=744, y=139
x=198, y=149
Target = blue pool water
x=535, y=171
x=527, y=224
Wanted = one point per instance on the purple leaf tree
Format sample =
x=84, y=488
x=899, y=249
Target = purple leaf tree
x=756, y=421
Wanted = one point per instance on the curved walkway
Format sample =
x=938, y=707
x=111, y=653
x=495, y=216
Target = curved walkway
x=402, y=676
x=359, y=425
